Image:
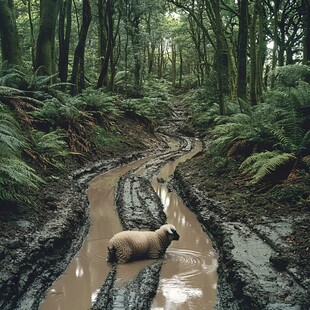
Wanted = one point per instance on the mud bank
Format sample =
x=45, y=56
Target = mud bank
x=251, y=272
x=31, y=261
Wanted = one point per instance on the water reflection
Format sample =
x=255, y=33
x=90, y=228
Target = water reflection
x=188, y=277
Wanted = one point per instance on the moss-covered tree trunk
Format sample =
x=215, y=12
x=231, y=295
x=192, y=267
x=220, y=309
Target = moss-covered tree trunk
x=45, y=51
x=261, y=52
x=78, y=74
x=109, y=47
x=252, y=39
x=219, y=46
x=242, y=50
x=306, y=26
x=173, y=65
x=64, y=32
x=275, y=42
x=10, y=48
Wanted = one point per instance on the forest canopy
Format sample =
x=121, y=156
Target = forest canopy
x=67, y=63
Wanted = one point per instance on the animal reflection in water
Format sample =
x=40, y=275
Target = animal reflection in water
x=127, y=246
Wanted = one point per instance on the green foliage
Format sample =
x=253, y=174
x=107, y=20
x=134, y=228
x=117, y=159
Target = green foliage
x=151, y=108
x=291, y=75
x=24, y=78
x=272, y=133
x=61, y=110
x=261, y=165
x=49, y=147
x=103, y=138
x=99, y=101
x=11, y=76
x=292, y=193
x=157, y=88
x=16, y=177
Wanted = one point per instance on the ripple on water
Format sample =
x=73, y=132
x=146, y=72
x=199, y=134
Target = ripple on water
x=185, y=272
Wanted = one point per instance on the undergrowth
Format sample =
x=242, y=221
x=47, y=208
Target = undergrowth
x=42, y=127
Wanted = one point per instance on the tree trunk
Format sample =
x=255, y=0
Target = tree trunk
x=9, y=35
x=45, y=52
x=242, y=50
x=261, y=52
x=306, y=20
x=32, y=39
x=64, y=32
x=108, y=53
x=252, y=38
x=173, y=65
x=78, y=77
x=275, y=43
x=181, y=69
x=219, y=56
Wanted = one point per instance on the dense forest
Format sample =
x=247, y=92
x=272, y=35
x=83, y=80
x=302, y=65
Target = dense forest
x=90, y=85
x=69, y=68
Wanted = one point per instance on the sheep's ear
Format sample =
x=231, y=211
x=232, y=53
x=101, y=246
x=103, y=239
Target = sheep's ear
x=169, y=231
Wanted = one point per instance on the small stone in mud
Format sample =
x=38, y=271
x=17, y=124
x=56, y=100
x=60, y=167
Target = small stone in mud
x=278, y=262
x=160, y=180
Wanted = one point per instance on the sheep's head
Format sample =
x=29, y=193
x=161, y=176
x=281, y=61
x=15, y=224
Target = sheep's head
x=171, y=231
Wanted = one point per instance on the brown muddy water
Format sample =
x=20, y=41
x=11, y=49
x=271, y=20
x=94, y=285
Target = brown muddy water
x=188, y=277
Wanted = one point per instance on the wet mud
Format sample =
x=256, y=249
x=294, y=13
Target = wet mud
x=139, y=207
x=32, y=261
x=247, y=277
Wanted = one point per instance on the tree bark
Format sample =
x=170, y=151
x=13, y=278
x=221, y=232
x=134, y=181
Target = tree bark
x=45, y=52
x=242, y=50
x=78, y=77
x=306, y=21
x=275, y=43
x=108, y=53
x=261, y=52
x=10, y=48
x=253, y=76
x=64, y=39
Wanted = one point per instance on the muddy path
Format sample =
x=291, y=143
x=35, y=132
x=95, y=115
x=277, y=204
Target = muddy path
x=143, y=202
x=188, y=274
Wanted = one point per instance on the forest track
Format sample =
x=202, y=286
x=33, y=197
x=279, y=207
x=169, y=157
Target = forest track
x=139, y=207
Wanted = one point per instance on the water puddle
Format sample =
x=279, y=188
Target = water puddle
x=78, y=287
x=188, y=277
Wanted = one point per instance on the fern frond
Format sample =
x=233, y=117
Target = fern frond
x=306, y=161
x=262, y=165
x=16, y=172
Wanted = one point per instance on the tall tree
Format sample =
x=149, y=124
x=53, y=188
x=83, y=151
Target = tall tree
x=306, y=31
x=242, y=50
x=219, y=46
x=8, y=32
x=64, y=33
x=275, y=42
x=78, y=69
x=106, y=54
x=45, y=51
x=253, y=68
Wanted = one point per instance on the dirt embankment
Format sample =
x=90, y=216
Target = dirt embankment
x=258, y=265
x=37, y=242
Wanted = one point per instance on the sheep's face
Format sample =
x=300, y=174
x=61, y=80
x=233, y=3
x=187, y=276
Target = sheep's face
x=171, y=231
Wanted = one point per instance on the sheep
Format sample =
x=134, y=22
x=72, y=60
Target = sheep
x=127, y=246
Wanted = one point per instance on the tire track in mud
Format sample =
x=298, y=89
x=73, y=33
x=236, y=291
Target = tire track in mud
x=139, y=207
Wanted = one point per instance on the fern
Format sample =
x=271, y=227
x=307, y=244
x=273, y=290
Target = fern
x=49, y=147
x=16, y=177
x=261, y=165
